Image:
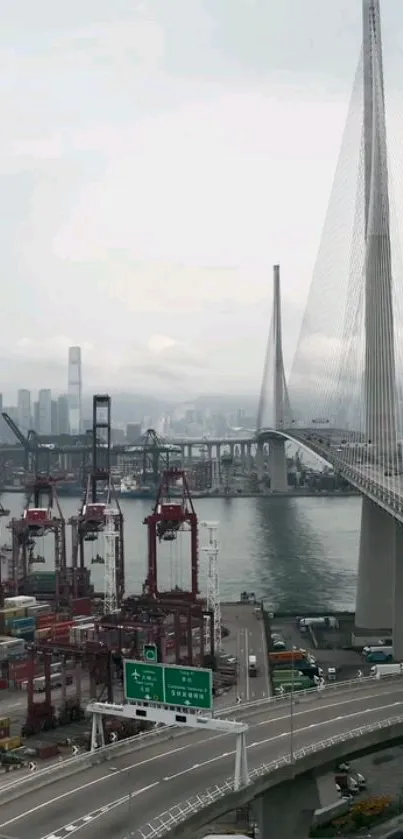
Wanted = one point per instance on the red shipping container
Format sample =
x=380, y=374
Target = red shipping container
x=3, y=684
x=82, y=606
x=43, y=621
x=62, y=627
x=19, y=670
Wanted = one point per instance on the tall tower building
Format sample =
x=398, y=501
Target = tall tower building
x=45, y=411
x=24, y=410
x=74, y=388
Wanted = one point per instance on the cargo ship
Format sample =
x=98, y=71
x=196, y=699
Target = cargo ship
x=132, y=488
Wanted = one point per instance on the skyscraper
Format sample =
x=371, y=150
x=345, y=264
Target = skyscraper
x=63, y=415
x=24, y=410
x=74, y=389
x=45, y=411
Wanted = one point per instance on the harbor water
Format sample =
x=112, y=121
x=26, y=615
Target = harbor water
x=296, y=553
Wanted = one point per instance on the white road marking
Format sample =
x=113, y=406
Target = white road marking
x=169, y=752
x=78, y=824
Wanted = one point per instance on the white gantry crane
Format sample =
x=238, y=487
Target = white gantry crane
x=213, y=580
x=110, y=537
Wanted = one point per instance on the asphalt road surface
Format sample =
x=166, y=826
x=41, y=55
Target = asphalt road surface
x=246, y=638
x=118, y=798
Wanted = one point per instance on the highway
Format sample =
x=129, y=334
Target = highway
x=161, y=775
x=246, y=637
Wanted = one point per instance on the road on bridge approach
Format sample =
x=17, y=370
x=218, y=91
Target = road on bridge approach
x=160, y=776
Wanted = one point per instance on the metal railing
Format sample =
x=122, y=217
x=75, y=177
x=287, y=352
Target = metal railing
x=90, y=758
x=380, y=492
x=163, y=823
x=350, y=684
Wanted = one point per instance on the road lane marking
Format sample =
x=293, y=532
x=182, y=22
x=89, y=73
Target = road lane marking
x=183, y=748
x=78, y=824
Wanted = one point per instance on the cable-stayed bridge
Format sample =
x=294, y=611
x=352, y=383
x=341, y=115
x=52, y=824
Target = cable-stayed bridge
x=344, y=396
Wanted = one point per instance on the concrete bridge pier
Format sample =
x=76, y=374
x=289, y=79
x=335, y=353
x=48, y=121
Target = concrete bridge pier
x=260, y=460
x=287, y=810
x=376, y=568
x=277, y=465
x=397, y=630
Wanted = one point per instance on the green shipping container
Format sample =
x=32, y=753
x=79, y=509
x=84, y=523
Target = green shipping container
x=297, y=684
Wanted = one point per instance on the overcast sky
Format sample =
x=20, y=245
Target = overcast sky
x=157, y=158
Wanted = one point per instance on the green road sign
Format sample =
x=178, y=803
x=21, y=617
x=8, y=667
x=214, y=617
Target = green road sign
x=189, y=686
x=144, y=682
x=150, y=652
x=164, y=684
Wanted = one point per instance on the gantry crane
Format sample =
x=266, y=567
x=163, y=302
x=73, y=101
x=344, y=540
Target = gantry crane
x=100, y=513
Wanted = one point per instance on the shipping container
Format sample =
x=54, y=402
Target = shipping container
x=22, y=601
x=287, y=655
x=3, y=684
x=47, y=750
x=46, y=632
x=41, y=609
x=4, y=727
x=302, y=683
x=82, y=606
x=11, y=743
x=45, y=620
x=22, y=623
x=62, y=628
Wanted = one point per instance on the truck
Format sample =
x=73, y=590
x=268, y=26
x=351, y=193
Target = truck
x=379, y=657
x=378, y=648
x=287, y=656
x=252, y=665
x=379, y=670
x=303, y=667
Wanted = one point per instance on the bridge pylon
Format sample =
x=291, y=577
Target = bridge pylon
x=376, y=568
x=274, y=381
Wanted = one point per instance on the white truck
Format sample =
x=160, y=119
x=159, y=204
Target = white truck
x=252, y=665
x=379, y=670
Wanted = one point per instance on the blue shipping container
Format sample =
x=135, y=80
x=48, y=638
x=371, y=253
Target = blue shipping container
x=22, y=623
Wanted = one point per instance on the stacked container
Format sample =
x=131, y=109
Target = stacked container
x=80, y=633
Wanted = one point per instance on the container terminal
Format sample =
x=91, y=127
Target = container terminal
x=62, y=641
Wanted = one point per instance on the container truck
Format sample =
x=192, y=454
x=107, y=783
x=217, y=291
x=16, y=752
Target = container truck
x=301, y=683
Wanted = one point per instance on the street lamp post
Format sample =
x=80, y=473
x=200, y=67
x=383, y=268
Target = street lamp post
x=292, y=709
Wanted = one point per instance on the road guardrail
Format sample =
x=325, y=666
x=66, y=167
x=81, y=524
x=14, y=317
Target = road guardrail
x=179, y=813
x=81, y=762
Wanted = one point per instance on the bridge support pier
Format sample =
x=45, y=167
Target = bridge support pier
x=376, y=568
x=277, y=465
x=259, y=460
x=287, y=810
x=241, y=777
x=397, y=631
x=97, y=733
